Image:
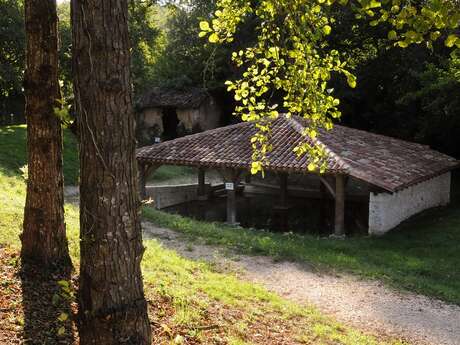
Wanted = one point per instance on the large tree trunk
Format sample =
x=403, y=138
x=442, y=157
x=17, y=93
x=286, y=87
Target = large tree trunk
x=44, y=237
x=112, y=306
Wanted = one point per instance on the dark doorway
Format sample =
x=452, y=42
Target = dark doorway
x=170, y=123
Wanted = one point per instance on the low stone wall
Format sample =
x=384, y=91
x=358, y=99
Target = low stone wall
x=165, y=196
x=388, y=210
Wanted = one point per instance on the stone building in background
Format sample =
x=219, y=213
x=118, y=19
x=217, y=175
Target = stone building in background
x=168, y=113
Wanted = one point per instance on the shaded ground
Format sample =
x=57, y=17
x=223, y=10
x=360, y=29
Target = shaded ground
x=368, y=305
x=35, y=308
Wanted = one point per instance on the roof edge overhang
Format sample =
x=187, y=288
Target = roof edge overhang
x=412, y=183
x=230, y=165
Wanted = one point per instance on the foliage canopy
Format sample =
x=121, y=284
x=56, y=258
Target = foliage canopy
x=292, y=57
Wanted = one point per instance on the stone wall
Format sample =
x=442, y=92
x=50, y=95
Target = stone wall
x=165, y=196
x=207, y=116
x=388, y=210
x=189, y=119
x=149, y=125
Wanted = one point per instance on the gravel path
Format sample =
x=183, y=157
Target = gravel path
x=368, y=305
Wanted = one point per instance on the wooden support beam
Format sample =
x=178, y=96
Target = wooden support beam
x=280, y=211
x=323, y=214
x=201, y=184
x=339, y=229
x=231, y=178
x=328, y=185
x=283, y=189
x=231, y=206
x=247, y=177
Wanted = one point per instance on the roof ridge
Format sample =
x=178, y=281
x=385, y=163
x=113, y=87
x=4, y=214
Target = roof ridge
x=298, y=127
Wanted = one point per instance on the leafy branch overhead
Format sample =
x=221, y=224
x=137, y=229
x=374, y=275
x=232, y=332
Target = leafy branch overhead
x=291, y=57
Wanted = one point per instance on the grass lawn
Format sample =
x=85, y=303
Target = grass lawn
x=189, y=303
x=169, y=172
x=13, y=152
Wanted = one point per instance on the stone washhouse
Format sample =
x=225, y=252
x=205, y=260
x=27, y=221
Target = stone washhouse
x=164, y=114
x=399, y=178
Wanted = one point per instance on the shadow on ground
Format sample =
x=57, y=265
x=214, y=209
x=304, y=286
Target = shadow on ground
x=47, y=306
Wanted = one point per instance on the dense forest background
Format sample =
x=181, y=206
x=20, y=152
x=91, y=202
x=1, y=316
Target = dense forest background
x=410, y=93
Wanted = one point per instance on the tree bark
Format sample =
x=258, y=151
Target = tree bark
x=112, y=306
x=44, y=233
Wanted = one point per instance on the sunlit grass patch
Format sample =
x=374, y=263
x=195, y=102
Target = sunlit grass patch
x=169, y=172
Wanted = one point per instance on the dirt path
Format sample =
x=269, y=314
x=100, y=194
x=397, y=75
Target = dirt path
x=368, y=305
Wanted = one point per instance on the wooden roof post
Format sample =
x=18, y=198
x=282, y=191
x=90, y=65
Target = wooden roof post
x=231, y=203
x=202, y=184
x=283, y=189
x=339, y=229
x=231, y=182
x=323, y=197
x=280, y=211
x=247, y=177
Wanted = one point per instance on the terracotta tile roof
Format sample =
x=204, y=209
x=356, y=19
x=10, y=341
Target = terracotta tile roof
x=382, y=161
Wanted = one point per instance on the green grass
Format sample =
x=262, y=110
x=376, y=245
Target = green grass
x=421, y=255
x=169, y=172
x=195, y=294
x=13, y=154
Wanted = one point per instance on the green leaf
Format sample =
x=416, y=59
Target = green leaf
x=375, y=4
x=434, y=35
x=204, y=26
x=63, y=283
x=55, y=299
x=392, y=35
x=351, y=80
x=451, y=40
x=213, y=38
x=63, y=317
x=327, y=29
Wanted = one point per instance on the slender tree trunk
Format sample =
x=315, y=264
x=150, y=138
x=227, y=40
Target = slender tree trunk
x=44, y=236
x=112, y=306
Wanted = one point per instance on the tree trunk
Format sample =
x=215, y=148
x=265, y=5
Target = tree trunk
x=112, y=306
x=44, y=235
